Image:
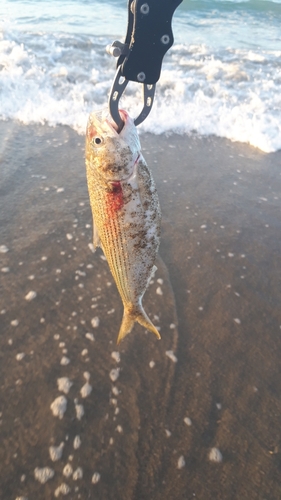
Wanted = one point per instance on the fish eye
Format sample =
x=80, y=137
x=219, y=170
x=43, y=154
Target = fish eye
x=98, y=141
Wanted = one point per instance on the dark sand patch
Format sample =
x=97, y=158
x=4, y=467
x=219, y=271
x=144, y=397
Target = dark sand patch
x=222, y=263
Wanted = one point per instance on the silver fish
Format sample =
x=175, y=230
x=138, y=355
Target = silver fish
x=125, y=209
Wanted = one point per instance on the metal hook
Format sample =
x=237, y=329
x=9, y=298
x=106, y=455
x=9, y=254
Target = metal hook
x=117, y=89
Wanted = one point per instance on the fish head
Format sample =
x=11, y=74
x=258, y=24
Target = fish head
x=111, y=154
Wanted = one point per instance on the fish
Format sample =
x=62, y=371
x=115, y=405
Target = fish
x=126, y=211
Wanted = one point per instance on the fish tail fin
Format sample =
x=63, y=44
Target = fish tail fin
x=126, y=325
x=139, y=316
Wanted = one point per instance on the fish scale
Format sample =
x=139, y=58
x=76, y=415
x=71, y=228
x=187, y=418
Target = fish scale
x=125, y=210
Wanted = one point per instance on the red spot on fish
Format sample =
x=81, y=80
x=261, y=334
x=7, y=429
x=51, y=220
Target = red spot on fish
x=115, y=200
x=91, y=132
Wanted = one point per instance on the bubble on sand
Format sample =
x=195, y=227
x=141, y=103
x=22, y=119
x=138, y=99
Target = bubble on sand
x=77, y=442
x=171, y=355
x=60, y=190
x=77, y=474
x=58, y=406
x=116, y=356
x=15, y=322
x=119, y=429
x=215, y=455
x=69, y=236
x=181, y=462
x=84, y=352
x=4, y=249
x=5, y=269
x=172, y=326
x=56, y=452
x=187, y=421
x=64, y=361
x=90, y=336
x=20, y=356
x=91, y=247
x=43, y=474
x=159, y=290
x=237, y=321
x=64, y=384
x=30, y=295
x=95, y=322
x=86, y=390
x=62, y=489
x=114, y=374
x=168, y=433
x=115, y=391
x=95, y=477
x=151, y=364
x=79, y=411
x=67, y=470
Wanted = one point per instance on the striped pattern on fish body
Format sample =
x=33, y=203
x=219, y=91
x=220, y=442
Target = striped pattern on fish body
x=126, y=212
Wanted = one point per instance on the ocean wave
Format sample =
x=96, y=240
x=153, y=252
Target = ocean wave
x=60, y=78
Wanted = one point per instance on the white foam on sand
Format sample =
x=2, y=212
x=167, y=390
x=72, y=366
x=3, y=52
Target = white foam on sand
x=79, y=411
x=64, y=361
x=77, y=442
x=64, y=384
x=77, y=474
x=95, y=322
x=116, y=356
x=114, y=374
x=172, y=356
x=181, y=462
x=215, y=455
x=43, y=474
x=30, y=295
x=63, y=489
x=225, y=90
x=67, y=470
x=58, y=406
x=56, y=452
x=96, y=477
x=90, y=336
x=86, y=390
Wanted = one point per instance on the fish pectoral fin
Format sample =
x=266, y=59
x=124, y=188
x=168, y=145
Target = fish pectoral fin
x=139, y=316
x=97, y=242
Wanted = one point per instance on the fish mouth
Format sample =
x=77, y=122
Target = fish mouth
x=123, y=115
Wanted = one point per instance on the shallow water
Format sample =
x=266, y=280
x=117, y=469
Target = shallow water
x=209, y=388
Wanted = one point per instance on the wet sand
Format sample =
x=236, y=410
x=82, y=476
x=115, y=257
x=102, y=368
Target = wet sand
x=213, y=381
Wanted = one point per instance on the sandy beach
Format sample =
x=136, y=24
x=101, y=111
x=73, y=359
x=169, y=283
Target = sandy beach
x=195, y=415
